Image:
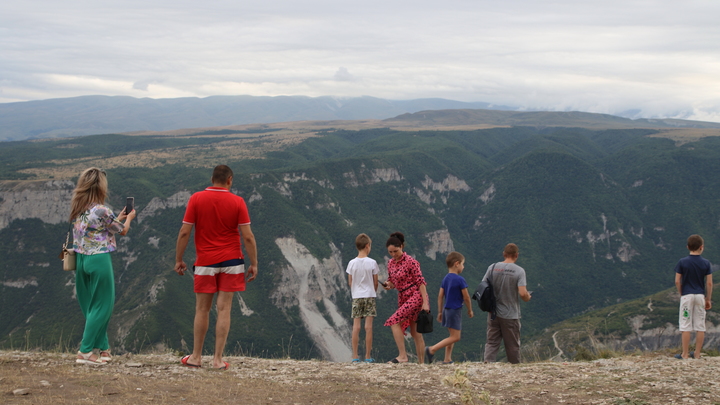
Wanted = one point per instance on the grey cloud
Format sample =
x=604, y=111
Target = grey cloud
x=606, y=57
x=343, y=75
x=144, y=84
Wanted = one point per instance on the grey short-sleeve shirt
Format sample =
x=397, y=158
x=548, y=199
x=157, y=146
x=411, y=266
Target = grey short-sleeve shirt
x=506, y=279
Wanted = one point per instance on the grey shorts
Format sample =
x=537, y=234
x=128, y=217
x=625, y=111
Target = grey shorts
x=452, y=318
x=364, y=307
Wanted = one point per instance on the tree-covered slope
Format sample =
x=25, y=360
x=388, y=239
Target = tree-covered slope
x=601, y=217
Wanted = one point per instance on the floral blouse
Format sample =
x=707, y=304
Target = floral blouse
x=94, y=231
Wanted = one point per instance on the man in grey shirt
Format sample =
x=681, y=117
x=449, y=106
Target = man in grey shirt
x=509, y=284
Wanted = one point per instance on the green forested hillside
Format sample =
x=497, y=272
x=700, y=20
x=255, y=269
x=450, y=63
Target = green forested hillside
x=644, y=324
x=601, y=217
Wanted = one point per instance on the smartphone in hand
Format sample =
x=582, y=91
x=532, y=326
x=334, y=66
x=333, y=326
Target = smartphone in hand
x=129, y=205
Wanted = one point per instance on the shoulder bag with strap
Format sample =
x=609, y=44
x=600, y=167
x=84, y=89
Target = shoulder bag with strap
x=67, y=255
x=485, y=295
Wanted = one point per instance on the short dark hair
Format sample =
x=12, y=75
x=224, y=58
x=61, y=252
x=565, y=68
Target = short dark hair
x=454, y=257
x=221, y=174
x=362, y=241
x=511, y=250
x=695, y=242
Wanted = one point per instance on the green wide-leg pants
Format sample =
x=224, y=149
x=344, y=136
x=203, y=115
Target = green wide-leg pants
x=95, y=288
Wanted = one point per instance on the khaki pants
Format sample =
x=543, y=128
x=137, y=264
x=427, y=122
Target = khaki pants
x=503, y=330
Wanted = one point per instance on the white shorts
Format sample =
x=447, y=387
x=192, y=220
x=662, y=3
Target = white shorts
x=692, y=313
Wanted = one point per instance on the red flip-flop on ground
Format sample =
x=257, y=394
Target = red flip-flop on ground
x=184, y=361
x=227, y=366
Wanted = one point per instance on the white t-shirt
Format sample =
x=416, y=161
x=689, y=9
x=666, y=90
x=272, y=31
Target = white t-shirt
x=362, y=270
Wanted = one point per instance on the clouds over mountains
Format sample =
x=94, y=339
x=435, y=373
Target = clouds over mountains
x=606, y=57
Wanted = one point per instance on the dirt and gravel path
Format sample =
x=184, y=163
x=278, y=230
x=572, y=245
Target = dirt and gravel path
x=54, y=378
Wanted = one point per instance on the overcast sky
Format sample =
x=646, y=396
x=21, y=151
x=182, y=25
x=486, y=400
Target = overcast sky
x=660, y=57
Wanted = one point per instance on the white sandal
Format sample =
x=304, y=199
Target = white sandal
x=105, y=355
x=85, y=358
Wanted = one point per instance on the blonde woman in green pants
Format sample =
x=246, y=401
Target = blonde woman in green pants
x=94, y=229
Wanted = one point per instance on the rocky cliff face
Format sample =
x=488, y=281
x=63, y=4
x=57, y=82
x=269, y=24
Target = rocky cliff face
x=439, y=242
x=47, y=200
x=306, y=282
x=179, y=199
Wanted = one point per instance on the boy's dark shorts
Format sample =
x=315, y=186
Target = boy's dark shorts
x=364, y=307
x=452, y=318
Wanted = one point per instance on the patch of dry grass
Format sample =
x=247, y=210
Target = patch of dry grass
x=685, y=135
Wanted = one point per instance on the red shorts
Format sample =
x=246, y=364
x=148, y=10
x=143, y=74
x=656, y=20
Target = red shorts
x=228, y=276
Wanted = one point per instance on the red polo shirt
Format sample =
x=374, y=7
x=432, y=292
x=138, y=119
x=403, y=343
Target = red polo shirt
x=216, y=214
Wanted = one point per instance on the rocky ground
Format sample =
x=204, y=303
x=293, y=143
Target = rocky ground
x=54, y=378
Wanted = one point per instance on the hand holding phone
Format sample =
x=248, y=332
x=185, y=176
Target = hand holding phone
x=129, y=205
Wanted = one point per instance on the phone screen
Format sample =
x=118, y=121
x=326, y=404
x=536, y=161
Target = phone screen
x=129, y=205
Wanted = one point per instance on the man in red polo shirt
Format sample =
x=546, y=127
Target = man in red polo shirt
x=220, y=218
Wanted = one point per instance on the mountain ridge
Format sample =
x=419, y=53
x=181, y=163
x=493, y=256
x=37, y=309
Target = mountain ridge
x=89, y=115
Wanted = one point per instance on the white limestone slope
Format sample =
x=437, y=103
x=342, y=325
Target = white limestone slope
x=307, y=281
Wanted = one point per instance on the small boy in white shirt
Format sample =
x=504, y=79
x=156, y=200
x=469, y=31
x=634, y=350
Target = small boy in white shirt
x=363, y=280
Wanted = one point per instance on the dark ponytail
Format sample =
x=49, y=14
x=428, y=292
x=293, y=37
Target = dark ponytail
x=396, y=239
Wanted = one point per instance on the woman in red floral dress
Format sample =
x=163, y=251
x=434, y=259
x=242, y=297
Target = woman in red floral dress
x=405, y=275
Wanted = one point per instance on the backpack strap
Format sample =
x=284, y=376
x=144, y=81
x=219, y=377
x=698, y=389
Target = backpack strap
x=493, y=312
x=491, y=272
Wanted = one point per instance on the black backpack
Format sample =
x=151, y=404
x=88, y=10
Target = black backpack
x=485, y=296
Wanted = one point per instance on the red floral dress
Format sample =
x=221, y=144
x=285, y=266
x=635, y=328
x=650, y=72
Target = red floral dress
x=406, y=276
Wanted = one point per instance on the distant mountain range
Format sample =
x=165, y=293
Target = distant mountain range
x=88, y=115
x=539, y=119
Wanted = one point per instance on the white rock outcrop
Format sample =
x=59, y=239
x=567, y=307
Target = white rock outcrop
x=440, y=242
x=450, y=183
x=307, y=281
x=179, y=199
x=366, y=177
x=488, y=194
x=47, y=200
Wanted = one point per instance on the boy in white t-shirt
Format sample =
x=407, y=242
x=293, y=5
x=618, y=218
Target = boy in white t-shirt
x=363, y=280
